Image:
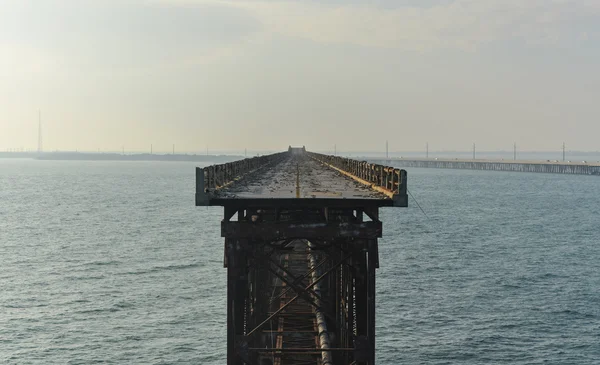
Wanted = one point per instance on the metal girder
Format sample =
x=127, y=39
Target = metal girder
x=273, y=231
x=301, y=203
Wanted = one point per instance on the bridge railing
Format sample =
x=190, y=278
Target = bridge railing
x=212, y=178
x=385, y=179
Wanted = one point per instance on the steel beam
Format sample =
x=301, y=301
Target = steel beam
x=273, y=231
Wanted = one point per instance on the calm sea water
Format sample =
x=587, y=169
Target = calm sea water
x=111, y=262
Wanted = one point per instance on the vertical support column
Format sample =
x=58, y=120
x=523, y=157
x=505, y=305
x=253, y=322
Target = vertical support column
x=403, y=183
x=349, y=284
x=201, y=197
x=333, y=289
x=345, y=293
x=361, y=339
x=384, y=177
x=214, y=177
x=372, y=263
x=338, y=293
x=237, y=282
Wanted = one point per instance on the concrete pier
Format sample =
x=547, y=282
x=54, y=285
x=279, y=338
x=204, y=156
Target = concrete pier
x=550, y=167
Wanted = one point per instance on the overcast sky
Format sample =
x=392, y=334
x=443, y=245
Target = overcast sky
x=266, y=74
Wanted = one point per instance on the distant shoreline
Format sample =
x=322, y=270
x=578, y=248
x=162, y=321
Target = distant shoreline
x=86, y=156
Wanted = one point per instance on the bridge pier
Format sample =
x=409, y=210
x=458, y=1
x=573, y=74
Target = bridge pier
x=292, y=291
x=301, y=268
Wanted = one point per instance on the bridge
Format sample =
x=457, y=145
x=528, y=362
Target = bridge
x=301, y=252
x=548, y=166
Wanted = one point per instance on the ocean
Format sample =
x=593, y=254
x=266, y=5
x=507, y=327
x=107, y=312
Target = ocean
x=111, y=262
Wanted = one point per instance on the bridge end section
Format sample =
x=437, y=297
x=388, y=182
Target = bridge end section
x=387, y=180
x=301, y=234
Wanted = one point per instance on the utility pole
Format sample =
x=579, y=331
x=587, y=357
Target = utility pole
x=387, y=151
x=40, y=147
x=39, y=131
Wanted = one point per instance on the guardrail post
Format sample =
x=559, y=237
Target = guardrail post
x=402, y=187
x=201, y=196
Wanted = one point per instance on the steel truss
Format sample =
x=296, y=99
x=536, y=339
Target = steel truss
x=301, y=283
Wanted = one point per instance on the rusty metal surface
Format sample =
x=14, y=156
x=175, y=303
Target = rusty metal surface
x=296, y=330
x=298, y=324
x=301, y=285
x=301, y=252
x=387, y=180
x=281, y=231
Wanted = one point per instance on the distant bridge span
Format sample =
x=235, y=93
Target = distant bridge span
x=551, y=167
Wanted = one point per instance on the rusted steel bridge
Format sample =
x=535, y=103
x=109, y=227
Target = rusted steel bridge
x=301, y=232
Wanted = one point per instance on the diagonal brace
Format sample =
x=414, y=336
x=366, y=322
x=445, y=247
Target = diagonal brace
x=340, y=262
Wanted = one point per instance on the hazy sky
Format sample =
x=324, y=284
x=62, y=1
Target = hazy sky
x=266, y=74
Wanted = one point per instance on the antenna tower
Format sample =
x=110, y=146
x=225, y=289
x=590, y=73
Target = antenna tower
x=387, y=153
x=40, y=146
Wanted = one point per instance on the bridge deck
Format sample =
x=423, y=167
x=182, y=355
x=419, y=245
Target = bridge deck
x=315, y=181
x=300, y=178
